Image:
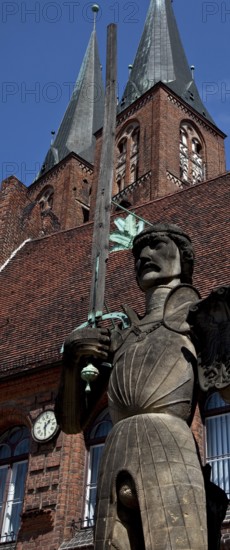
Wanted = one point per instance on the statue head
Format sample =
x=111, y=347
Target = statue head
x=163, y=252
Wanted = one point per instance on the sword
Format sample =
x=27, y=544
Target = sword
x=100, y=241
x=101, y=230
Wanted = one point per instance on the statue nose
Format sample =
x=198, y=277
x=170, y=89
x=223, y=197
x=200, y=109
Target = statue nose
x=146, y=253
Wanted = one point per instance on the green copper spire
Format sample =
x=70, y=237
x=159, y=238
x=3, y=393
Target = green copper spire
x=84, y=114
x=161, y=58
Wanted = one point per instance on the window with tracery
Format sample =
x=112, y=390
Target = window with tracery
x=14, y=449
x=192, y=166
x=95, y=441
x=217, y=424
x=127, y=165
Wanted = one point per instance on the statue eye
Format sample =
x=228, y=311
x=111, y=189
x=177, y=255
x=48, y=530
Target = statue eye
x=157, y=245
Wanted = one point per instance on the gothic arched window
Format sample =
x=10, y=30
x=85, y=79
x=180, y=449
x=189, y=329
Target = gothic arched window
x=217, y=423
x=95, y=441
x=14, y=449
x=127, y=155
x=192, y=166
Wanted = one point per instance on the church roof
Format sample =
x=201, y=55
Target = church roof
x=161, y=58
x=44, y=288
x=84, y=114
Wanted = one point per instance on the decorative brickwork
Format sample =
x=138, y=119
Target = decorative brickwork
x=22, y=216
x=160, y=115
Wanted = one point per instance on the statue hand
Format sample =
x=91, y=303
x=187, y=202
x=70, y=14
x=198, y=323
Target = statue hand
x=87, y=342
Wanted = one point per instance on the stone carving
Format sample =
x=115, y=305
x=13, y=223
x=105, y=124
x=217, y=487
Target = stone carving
x=151, y=491
x=211, y=318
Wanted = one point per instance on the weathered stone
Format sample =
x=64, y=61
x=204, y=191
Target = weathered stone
x=151, y=492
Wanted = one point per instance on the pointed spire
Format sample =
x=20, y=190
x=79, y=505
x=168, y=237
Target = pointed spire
x=84, y=114
x=161, y=58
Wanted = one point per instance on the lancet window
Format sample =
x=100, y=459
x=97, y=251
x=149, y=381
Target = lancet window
x=192, y=166
x=127, y=163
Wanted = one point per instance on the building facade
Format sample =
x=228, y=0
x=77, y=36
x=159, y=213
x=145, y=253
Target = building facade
x=169, y=165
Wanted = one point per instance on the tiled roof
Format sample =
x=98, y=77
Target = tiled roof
x=44, y=289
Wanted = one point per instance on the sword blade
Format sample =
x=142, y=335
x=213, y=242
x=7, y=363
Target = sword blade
x=100, y=243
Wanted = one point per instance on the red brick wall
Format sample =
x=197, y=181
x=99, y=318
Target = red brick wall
x=160, y=114
x=71, y=193
x=55, y=482
x=21, y=217
x=12, y=202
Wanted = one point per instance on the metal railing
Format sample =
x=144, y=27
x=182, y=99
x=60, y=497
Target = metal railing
x=8, y=537
x=82, y=523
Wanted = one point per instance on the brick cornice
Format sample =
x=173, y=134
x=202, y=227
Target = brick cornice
x=191, y=114
x=174, y=179
x=56, y=170
x=132, y=186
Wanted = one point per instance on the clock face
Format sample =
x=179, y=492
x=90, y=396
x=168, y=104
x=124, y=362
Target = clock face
x=45, y=426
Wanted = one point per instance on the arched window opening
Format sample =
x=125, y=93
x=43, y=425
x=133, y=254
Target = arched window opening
x=120, y=181
x=183, y=155
x=85, y=212
x=95, y=441
x=85, y=191
x=122, y=150
x=135, y=141
x=45, y=199
x=119, y=184
x=184, y=139
x=192, y=168
x=127, y=155
x=217, y=423
x=14, y=449
x=196, y=146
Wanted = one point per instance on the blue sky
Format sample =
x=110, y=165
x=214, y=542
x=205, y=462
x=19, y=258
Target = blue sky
x=43, y=44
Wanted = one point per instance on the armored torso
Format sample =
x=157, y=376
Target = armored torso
x=154, y=365
x=153, y=373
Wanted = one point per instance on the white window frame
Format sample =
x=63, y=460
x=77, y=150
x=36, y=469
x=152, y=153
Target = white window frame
x=91, y=486
x=9, y=521
x=10, y=501
x=90, y=501
x=218, y=444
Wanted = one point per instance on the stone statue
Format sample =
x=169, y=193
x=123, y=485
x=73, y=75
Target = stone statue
x=151, y=493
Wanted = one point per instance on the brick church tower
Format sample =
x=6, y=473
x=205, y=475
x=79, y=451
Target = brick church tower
x=169, y=165
x=166, y=139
